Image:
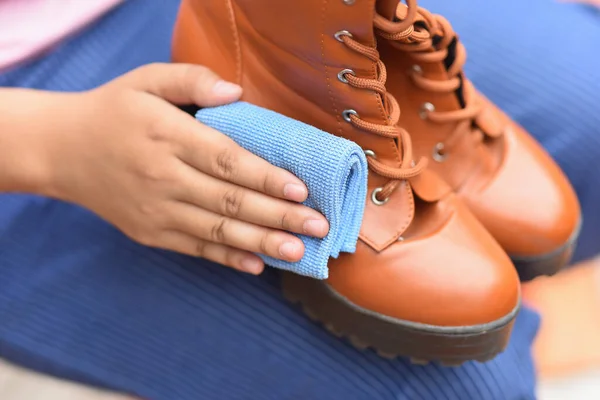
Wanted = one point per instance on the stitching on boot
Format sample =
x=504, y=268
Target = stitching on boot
x=376, y=245
x=236, y=42
x=411, y=206
x=326, y=69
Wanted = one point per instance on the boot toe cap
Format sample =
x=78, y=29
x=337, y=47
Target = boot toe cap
x=456, y=277
x=528, y=206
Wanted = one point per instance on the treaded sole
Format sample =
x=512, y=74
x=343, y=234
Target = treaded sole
x=530, y=267
x=390, y=337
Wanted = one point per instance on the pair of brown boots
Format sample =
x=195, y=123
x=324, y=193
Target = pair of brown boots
x=462, y=202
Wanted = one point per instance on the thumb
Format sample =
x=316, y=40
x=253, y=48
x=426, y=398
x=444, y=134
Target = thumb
x=183, y=84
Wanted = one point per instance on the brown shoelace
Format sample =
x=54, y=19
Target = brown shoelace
x=417, y=40
x=408, y=168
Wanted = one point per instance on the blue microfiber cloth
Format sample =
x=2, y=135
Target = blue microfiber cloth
x=334, y=170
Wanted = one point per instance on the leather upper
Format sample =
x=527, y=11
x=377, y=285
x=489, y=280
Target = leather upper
x=508, y=180
x=527, y=203
x=454, y=276
x=290, y=65
x=286, y=57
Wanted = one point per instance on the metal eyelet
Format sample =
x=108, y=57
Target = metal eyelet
x=374, y=198
x=348, y=2
x=417, y=69
x=426, y=108
x=347, y=113
x=338, y=35
x=370, y=153
x=438, y=152
x=342, y=75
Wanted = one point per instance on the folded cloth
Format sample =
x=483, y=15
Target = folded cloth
x=334, y=170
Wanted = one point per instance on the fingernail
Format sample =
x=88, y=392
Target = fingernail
x=252, y=265
x=224, y=88
x=290, y=250
x=315, y=227
x=295, y=192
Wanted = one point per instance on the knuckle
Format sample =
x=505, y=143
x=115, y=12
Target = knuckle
x=143, y=236
x=232, y=202
x=225, y=164
x=194, y=73
x=200, y=248
x=263, y=245
x=189, y=75
x=152, y=218
x=155, y=174
x=285, y=221
x=230, y=258
x=149, y=71
x=198, y=77
x=158, y=128
x=268, y=182
x=217, y=232
x=147, y=209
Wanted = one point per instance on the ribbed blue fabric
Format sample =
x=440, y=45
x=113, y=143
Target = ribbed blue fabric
x=81, y=301
x=336, y=177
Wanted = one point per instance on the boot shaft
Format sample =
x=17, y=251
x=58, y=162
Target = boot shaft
x=428, y=74
x=286, y=56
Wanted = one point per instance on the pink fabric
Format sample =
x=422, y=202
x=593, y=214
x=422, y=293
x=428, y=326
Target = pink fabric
x=29, y=27
x=590, y=2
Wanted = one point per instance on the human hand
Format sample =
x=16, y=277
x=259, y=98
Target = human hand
x=168, y=181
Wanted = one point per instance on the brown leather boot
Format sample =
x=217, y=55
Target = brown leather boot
x=505, y=177
x=427, y=280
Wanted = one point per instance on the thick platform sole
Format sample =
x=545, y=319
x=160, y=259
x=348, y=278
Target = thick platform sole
x=530, y=267
x=391, y=337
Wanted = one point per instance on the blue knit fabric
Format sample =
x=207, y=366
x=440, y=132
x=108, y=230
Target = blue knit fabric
x=81, y=301
x=334, y=170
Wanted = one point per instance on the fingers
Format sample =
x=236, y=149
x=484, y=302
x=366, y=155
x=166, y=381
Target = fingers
x=215, y=228
x=215, y=154
x=237, y=202
x=190, y=245
x=183, y=84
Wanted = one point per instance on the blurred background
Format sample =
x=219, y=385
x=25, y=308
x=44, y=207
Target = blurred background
x=567, y=348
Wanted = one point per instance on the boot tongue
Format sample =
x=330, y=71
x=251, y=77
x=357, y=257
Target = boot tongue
x=395, y=11
x=387, y=8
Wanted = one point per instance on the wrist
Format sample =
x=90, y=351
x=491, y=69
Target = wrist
x=30, y=124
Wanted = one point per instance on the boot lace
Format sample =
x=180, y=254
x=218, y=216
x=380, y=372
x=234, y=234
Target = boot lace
x=429, y=38
x=408, y=168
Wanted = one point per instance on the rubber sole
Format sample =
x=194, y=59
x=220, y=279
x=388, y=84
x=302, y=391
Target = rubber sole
x=530, y=267
x=391, y=337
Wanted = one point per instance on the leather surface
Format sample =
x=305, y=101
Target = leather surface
x=511, y=184
x=528, y=203
x=289, y=63
x=296, y=75
x=450, y=277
